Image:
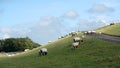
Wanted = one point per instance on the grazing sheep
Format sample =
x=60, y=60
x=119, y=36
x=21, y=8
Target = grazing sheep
x=89, y=32
x=100, y=32
x=43, y=51
x=59, y=37
x=78, y=39
x=85, y=33
x=93, y=32
x=75, y=44
x=26, y=50
x=73, y=33
x=83, y=36
x=49, y=41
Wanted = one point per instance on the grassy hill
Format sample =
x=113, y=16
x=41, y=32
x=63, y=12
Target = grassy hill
x=111, y=29
x=93, y=53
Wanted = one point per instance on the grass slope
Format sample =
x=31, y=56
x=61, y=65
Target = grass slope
x=93, y=53
x=111, y=29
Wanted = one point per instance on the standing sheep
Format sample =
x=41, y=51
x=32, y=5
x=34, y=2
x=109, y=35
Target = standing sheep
x=75, y=44
x=73, y=33
x=43, y=51
x=78, y=39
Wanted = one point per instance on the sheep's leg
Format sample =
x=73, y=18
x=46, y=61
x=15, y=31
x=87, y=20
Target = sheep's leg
x=45, y=53
x=39, y=53
x=74, y=47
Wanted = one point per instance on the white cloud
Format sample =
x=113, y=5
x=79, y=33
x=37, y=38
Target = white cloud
x=111, y=3
x=71, y=15
x=94, y=23
x=5, y=33
x=101, y=8
x=5, y=30
x=83, y=21
x=47, y=18
x=48, y=28
x=44, y=23
x=104, y=19
x=5, y=36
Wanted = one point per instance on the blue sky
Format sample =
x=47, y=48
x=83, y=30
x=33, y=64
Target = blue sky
x=46, y=20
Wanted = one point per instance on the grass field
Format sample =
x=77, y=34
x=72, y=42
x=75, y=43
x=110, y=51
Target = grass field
x=111, y=29
x=92, y=53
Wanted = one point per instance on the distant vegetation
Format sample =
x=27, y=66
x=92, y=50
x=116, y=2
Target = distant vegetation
x=111, y=29
x=17, y=44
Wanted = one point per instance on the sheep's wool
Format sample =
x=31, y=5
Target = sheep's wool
x=77, y=38
x=44, y=49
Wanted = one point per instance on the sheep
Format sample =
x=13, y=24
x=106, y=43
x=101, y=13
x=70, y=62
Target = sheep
x=26, y=50
x=73, y=33
x=49, y=41
x=93, y=31
x=75, y=44
x=85, y=33
x=100, y=32
x=83, y=36
x=89, y=32
x=43, y=51
x=59, y=37
x=78, y=39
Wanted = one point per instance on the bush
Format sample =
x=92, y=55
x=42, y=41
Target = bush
x=17, y=44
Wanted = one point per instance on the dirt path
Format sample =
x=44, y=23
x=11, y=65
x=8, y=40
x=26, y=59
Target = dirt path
x=106, y=38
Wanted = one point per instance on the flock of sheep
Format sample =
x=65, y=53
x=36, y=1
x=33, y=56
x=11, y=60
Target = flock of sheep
x=76, y=42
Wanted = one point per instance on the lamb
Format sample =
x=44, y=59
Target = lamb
x=43, y=51
x=75, y=44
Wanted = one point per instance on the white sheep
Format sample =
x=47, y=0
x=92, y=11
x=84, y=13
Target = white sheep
x=93, y=31
x=49, y=41
x=26, y=50
x=43, y=51
x=100, y=32
x=78, y=39
x=73, y=33
x=75, y=44
x=85, y=33
x=89, y=32
x=83, y=36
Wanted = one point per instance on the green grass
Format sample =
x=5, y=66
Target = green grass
x=111, y=29
x=93, y=53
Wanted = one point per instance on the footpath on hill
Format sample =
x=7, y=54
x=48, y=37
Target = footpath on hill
x=109, y=38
